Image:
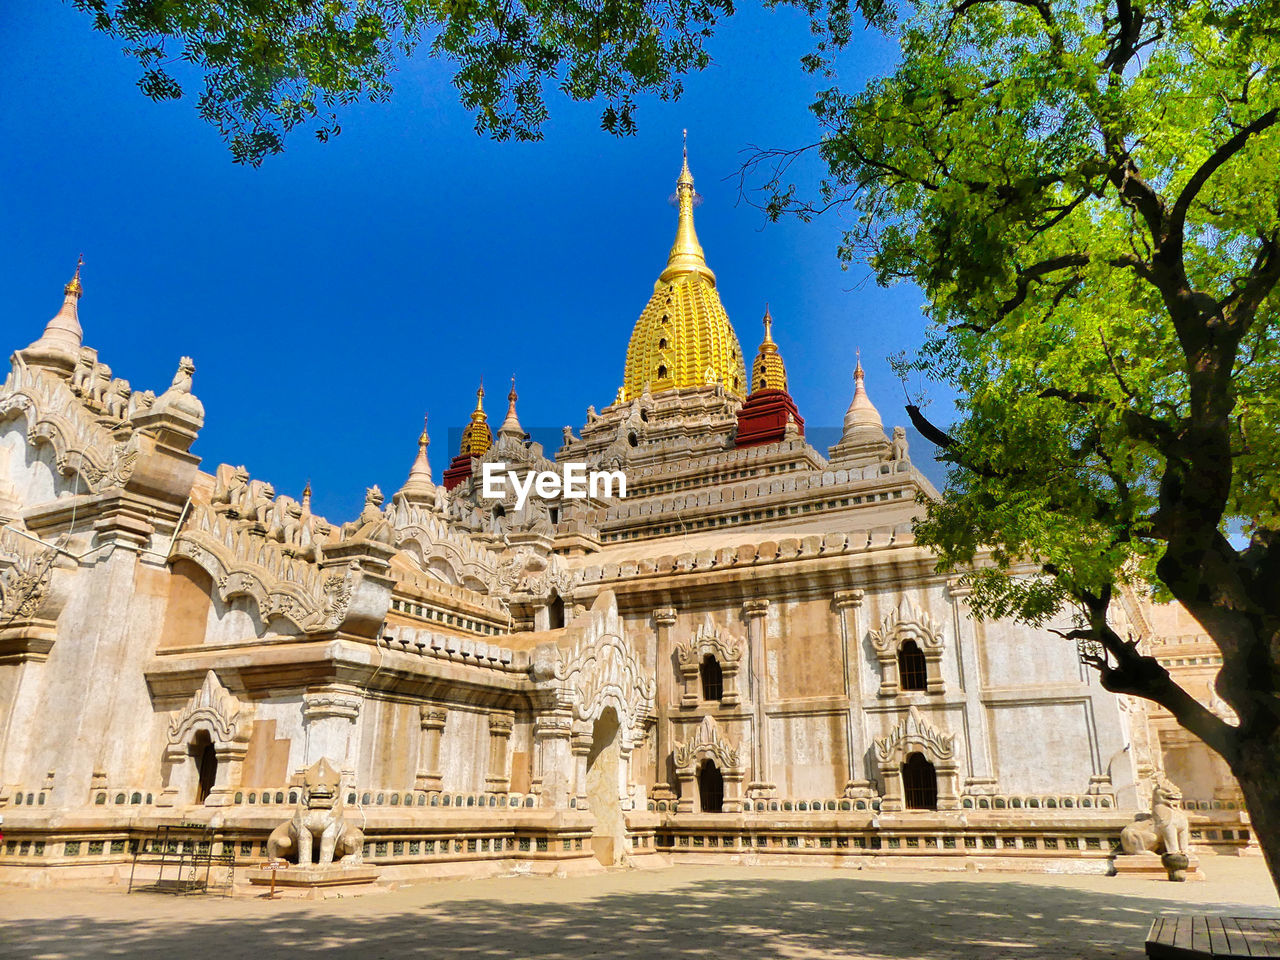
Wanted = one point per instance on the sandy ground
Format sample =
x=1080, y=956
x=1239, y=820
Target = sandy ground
x=740, y=912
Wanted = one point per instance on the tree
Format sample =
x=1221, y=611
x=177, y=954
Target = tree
x=269, y=66
x=1089, y=195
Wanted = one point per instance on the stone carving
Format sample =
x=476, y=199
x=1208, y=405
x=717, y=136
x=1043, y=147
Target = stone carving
x=182, y=378
x=24, y=585
x=214, y=706
x=371, y=524
x=124, y=456
x=600, y=670
x=710, y=639
x=319, y=817
x=338, y=590
x=116, y=399
x=604, y=672
x=907, y=622
x=707, y=742
x=81, y=445
x=898, y=446
x=914, y=734
x=915, y=731
x=1163, y=830
x=229, y=487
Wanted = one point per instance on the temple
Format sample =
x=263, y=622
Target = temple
x=746, y=657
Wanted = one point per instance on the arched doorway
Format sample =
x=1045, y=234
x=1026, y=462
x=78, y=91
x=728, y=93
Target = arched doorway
x=555, y=613
x=919, y=783
x=604, y=767
x=206, y=760
x=710, y=788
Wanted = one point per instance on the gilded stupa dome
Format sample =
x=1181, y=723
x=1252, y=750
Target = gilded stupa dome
x=683, y=337
x=477, y=438
x=768, y=372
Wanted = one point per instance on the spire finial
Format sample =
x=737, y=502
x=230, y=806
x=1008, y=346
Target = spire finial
x=424, y=441
x=306, y=494
x=73, y=287
x=686, y=253
x=511, y=425
x=857, y=371
x=768, y=372
x=476, y=436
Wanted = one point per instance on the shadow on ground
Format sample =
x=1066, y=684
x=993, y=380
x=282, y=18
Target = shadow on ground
x=840, y=917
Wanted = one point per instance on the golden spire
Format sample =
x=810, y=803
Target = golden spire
x=768, y=372
x=686, y=253
x=423, y=440
x=306, y=493
x=73, y=287
x=476, y=436
x=684, y=331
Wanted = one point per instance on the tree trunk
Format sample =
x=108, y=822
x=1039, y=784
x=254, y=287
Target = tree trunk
x=1258, y=772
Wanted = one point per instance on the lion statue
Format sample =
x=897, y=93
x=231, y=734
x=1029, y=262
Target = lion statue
x=1164, y=830
x=319, y=816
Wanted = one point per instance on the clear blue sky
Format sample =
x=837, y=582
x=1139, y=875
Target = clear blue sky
x=332, y=296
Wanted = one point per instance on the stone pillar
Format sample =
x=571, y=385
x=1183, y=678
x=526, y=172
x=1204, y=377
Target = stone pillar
x=686, y=777
x=891, y=776
x=626, y=786
x=430, y=778
x=849, y=609
x=580, y=746
x=230, y=756
x=552, y=759
x=761, y=785
x=981, y=775
x=664, y=619
x=329, y=717
x=733, y=801
x=498, y=779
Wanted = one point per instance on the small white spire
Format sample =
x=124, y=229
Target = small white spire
x=862, y=416
x=511, y=425
x=60, y=343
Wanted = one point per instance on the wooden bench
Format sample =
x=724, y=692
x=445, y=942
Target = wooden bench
x=1201, y=938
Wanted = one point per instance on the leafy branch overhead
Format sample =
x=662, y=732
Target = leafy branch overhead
x=267, y=67
x=1088, y=192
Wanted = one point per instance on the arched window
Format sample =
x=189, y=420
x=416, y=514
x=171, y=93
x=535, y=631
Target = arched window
x=662, y=372
x=712, y=679
x=555, y=614
x=913, y=672
x=919, y=783
x=202, y=750
x=710, y=788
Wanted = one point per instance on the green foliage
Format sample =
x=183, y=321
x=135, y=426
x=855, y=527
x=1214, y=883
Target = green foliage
x=1089, y=195
x=269, y=66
